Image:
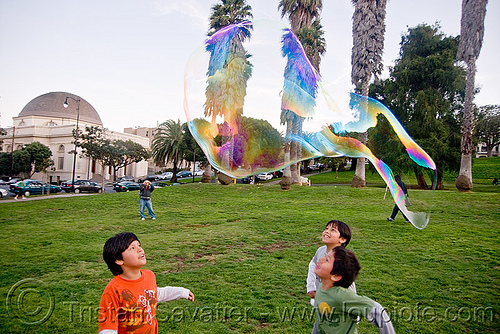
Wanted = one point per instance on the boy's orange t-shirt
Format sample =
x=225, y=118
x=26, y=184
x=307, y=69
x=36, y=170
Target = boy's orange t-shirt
x=129, y=306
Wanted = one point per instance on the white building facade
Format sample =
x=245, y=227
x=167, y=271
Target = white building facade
x=481, y=151
x=46, y=119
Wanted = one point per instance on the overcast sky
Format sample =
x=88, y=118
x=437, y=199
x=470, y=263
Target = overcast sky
x=127, y=57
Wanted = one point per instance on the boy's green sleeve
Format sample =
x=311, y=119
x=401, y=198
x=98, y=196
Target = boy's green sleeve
x=371, y=310
x=379, y=317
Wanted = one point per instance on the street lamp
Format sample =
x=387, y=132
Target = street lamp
x=76, y=135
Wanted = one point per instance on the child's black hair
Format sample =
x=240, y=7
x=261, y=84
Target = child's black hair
x=344, y=230
x=114, y=248
x=345, y=264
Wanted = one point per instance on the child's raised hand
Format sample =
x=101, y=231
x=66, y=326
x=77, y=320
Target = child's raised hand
x=191, y=296
x=311, y=294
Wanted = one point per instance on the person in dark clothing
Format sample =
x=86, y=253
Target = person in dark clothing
x=396, y=208
x=145, y=199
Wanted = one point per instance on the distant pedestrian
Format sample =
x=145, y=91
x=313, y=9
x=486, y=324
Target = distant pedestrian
x=396, y=208
x=21, y=186
x=145, y=199
x=495, y=182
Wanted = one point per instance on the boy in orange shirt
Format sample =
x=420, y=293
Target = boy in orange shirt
x=128, y=303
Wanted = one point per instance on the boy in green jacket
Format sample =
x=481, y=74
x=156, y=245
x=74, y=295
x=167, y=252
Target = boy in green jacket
x=337, y=308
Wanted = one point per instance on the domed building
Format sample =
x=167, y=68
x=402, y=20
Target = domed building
x=50, y=119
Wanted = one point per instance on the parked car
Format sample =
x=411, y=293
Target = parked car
x=14, y=180
x=34, y=187
x=149, y=178
x=127, y=178
x=126, y=186
x=3, y=193
x=248, y=179
x=278, y=173
x=314, y=167
x=81, y=186
x=67, y=184
x=159, y=184
x=166, y=176
x=184, y=173
x=264, y=176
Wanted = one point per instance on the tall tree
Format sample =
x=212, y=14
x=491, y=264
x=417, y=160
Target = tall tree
x=97, y=146
x=32, y=158
x=126, y=153
x=228, y=12
x=368, y=30
x=488, y=127
x=301, y=13
x=167, y=143
x=313, y=41
x=304, y=17
x=227, y=81
x=190, y=148
x=425, y=92
x=471, y=41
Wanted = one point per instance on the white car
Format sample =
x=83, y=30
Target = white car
x=264, y=176
x=166, y=176
x=3, y=193
x=199, y=172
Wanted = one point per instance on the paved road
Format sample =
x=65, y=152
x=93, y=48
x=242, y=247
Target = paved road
x=39, y=197
x=10, y=196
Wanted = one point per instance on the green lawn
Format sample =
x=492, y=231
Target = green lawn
x=244, y=249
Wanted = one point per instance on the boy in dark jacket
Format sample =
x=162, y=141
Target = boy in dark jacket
x=145, y=199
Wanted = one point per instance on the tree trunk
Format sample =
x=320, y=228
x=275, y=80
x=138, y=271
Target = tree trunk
x=359, y=180
x=293, y=152
x=298, y=149
x=439, y=181
x=102, y=175
x=422, y=184
x=354, y=163
x=286, y=179
x=464, y=179
x=174, y=173
x=224, y=179
x=207, y=173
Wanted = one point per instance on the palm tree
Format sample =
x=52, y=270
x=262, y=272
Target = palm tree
x=301, y=13
x=167, y=145
x=305, y=24
x=368, y=29
x=313, y=41
x=471, y=40
x=235, y=71
x=229, y=12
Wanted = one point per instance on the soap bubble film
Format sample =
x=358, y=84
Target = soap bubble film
x=250, y=92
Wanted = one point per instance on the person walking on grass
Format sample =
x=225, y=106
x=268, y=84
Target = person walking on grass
x=21, y=186
x=145, y=199
x=396, y=208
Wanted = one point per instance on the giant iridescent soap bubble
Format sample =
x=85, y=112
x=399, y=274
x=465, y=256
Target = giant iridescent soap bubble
x=250, y=92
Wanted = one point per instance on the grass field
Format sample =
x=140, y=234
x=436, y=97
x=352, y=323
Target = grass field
x=244, y=249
